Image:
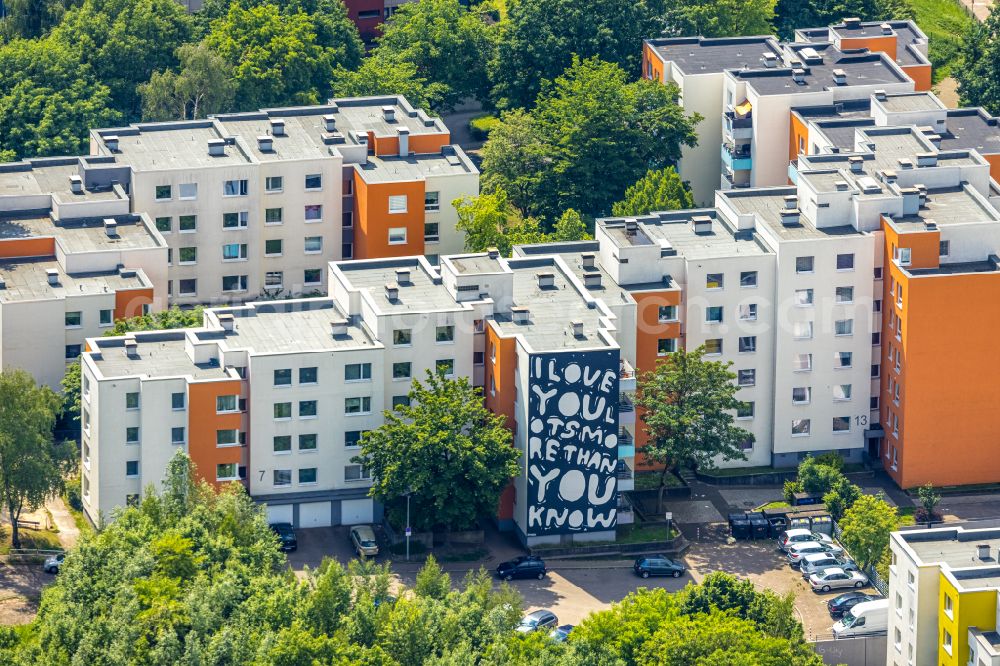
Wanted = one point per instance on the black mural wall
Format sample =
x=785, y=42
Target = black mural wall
x=572, y=442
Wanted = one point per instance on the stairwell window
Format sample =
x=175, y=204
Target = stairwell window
x=132, y=435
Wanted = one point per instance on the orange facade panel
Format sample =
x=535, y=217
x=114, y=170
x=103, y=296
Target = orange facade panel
x=798, y=138
x=373, y=221
x=994, y=161
x=652, y=65
x=387, y=146
x=921, y=75
x=881, y=44
x=27, y=247
x=204, y=423
x=500, y=394
x=129, y=302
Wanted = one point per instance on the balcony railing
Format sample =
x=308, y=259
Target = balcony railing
x=737, y=158
x=625, y=405
x=625, y=472
x=625, y=438
x=625, y=370
x=735, y=122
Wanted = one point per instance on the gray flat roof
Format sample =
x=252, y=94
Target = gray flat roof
x=700, y=55
x=956, y=268
x=452, y=161
x=159, y=355
x=475, y=264
x=267, y=328
x=971, y=129
x=27, y=280
x=861, y=69
x=303, y=138
x=364, y=114
x=842, y=133
x=949, y=205
x=677, y=230
x=766, y=204
x=177, y=145
x=423, y=293
x=915, y=101
x=955, y=548
x=48, y=179
x=851, y=108
x=84, y=235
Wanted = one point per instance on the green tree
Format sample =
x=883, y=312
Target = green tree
x=26, y=19
x=793, y=14
x=202, y=86
x=489, y=220
x=569, y=227
x=816, y=478
x=841, y=496
x=432, y=581
x=688, y=406
x=979, y=75
x=32, y=465
x=720, y=18
x=540, y=38
x=866, y=527
x=929, y=499
x=590, y=136
x=658, y=190
x=383, y=74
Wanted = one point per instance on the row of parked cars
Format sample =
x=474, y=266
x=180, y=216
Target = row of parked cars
x=821, y=561
x=362, y=539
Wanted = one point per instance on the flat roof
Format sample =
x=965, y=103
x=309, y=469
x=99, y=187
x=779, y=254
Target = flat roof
x=955, y=268
x=949, y=205
x=766, y=204
x=273, y=328
x=842, y=133
x=475, y=264
x=160, y=354
x=27, y=280
x=450, y=162
x=860, y=69
x=675, y=230
x=849, y=108
x=572, y=255
x=423, y=292
x=83, y=235
x=955, y=548
x=303, y=137
x=48, y=177
x=364, y=114
x=701, y=55
x=971, y=129
x=172, y=145
x=911, y=101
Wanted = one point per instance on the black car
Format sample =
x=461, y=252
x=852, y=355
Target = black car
x=657, y=565
x=286, y=536
x=842, y=603
x=526, y=566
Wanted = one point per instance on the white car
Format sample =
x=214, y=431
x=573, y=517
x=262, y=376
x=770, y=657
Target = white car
x=819, y=562
x=800, y=550
x=53, y=563
x=836, y=578
x=789, y=538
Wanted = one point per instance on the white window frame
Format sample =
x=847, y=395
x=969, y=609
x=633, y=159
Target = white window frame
x=394, y=231
x=398, y=204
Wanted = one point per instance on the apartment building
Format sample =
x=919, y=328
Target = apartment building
x=368, y=15
x=72, y=261
x=943, y=585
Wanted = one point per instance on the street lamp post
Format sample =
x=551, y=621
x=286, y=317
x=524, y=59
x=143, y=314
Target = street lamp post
x=408, y=530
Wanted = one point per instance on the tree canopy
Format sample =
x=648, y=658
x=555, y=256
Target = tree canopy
x=658, y=190
x=979, y=75
x=866, y=527
x=720, y=18
x=383, y=74
x=201, y=86
x=490, y=220
x=793, y=14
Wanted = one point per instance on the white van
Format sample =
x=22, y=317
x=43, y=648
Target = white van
x=870, y=618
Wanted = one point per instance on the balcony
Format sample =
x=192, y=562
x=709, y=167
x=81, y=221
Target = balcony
x=738, y=127
x=626, y=376
x=626, y=411
x=626, y=444
x=732, y=180
x=626, y=477
x=793, y=173
x=737, y=158
x=626, y=514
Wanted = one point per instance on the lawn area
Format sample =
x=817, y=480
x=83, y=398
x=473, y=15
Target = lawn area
x=637, y=533
x=906, y=516
x=774, y=505
x=651, y=481
x=742, y=471
x=40, y=539
x=945, y=23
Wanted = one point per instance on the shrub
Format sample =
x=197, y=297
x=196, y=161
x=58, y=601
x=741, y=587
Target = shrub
x=481, y=126
x=831, y=459
x=416, y=548
x=72, y=494
x=791, y=487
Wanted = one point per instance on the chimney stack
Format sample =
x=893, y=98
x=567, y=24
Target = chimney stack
x=577, y=329
x=886, y=29
x=589, y=260
x=228, y=322
x=857, y=163
x=702, y=224
x=402, y=276
x=389, y=114
x=880, y=95
x=338, y=327
x=52, y=275
x=391, y=291
x=404, y=141
x=265, y=143
x=983, y=552
x=277, y=127
x=799, y=75
x=111, y=227
x=216, y=147
x=493, y=253
x=330, y=122
x=131, y=347
x=840, y=77
x=791, y=202
x=546, y=280
x=592, y=280
x=76, y=184
x=111, y=141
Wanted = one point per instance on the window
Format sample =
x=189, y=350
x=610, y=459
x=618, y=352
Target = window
x=283, y=377
x=714, y=281
x=357, y=372
x=800, y=428
x=355, y=473
x=803, y=297
x=162, y=192
x=348, y=187
x=397, y=235
x=744, y=410
x=274, y=279
x=746, y=377
x=282, y=477
x=307, y=476
x=188, y=191
x=314, y=213
x=313, y=244
x=748, y=312
x=878, y=273
x=845, y=295
x=73, y=351
x=226, y=403
x=401, y=370
x=713, y=314
x=843, y=327
x=478, y=358
x=235, y=188
x=431, y=232
x=307, y=409
x=307, y=442
x=369, y=14
x=234, y=283
x=948, y=608
x=841, y=391
x=946, y=644
x=131, y=401
x=229, y=437
x=273, y=247
x=132, y=435
x=944, y=247
x=875, y=369
x=226, y=472
x=748, y=343
x=361, y=405
x=845, y=262
x=187, y=223
x=713, y=346
x=352, y=438
x=402, y=337
x=163, y=224
x=282, y=443
x=904, y=256
x=667, y=313
x=802, y=362
x=308, y=375
x=238, y=220
x=177, y=435
x=432, y=201
x=273, y=216
x=282, y=410
x=234, y=251
x=802, y=330
x=347, y=249
x=312, y=275
x=804, y=264
x=187, y=255
x=314, y=181
x=666, y=346
x=397, y=203
x=131, y=468
x=877, y=305
x=843, y=359
x=801, y=395
x=444, y=334
x=400, y=401
x=748, y=279
x=74, y=319
x=177, y=401
x=873, y=403
x=841, y=423
x=445, y=366
x=273, y=184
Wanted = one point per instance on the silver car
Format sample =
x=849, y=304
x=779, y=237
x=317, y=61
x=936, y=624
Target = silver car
x=819, y=562
x=836, y=578
x=537, y=621
x=800, y=550
x=53, y=563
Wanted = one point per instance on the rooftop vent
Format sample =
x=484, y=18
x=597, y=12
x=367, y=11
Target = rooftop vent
x=338, y=327
x=577, y=329
x=770, y=60
x=131, y=348
x=631, y=227
x=546, y=280
x=228, y=322
x=76, y=184
x=799, y=75
x=935, y=139
x=265, y=143
x=888, y=176
x=3, y=283
x=869, y=185
x=216, y=147
x=589, y=260
x=857, y=163
x=592, y=280
x=930, y=225
x=52, y=275
x=911, y=200
x=880, y=95
x=702, y=224
x=841, y=185
x=111, y=228
x=404, y=141
x=111, y=141
x=905, y=163
x=389, y=113
x=852, y=22
x=330, y=122
x=840, y=77
x=926, y=159
x=790, y=217
x=402, y=275
x=791, y=202
x=493, y=253
x=983, y=552
x=519, y=314
x=277, y=127
x=886, y=29
x=391, y=291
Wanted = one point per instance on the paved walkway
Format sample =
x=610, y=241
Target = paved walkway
x=69, y=533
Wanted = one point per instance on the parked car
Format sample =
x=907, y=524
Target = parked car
x=537, y=621
x=53, y=563
x=657, y=565
x=561, y=633
x=526, y=566
x=363, y=540
x=800, y=550
x=286, y=536
x=836, y=578
x=870, y=618
x=818, y=562
x=842, y=603
x=789, y=538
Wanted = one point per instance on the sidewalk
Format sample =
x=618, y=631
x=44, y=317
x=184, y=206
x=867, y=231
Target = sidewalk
x=69, y=534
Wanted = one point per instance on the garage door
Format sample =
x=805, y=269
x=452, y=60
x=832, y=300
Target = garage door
x=355, y=512
x=279, y=513
x=314, y=514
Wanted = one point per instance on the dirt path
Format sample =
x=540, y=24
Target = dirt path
x=69, y=533
x=947, y=92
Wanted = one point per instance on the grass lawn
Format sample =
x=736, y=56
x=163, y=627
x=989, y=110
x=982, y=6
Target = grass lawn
x=651, y=481
x=40, y=539
x=637, y=533
x=743, y=471
x=781, y=504
x=945, y=23
x=906, y=516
